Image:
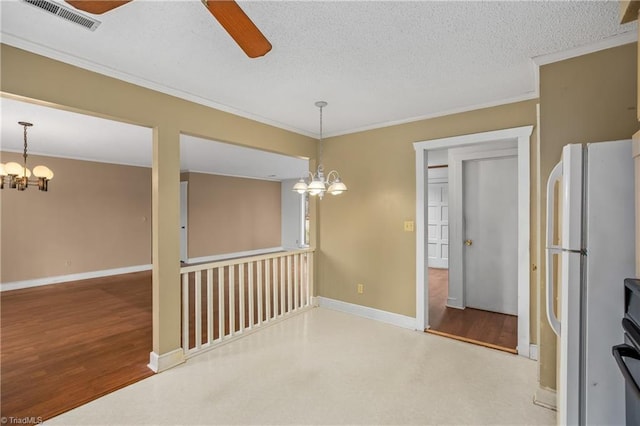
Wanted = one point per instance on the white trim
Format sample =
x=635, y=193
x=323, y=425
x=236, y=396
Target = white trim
x=160, y=363
x=184, y=218
x=546, y=398
x=607, y=43
x=533, y=352
x=489, y=104
x=522, y=135
x=614, y=41
x=15, y=285
x=57, y=55
x=225, y=256
x=367, y=312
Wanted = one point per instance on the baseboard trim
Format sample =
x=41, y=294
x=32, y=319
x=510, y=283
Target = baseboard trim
x=533, y=352
x=367, y=312
x=16, y=285
x=546, y=398
x=160, y=363
x=226, y=256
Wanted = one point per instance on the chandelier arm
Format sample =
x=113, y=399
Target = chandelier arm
x=335, y=175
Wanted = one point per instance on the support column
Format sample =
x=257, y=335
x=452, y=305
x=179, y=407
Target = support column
x=167, y=352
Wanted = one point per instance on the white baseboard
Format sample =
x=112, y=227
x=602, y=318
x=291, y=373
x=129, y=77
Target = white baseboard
x=452, y=302
x=533, y=352
x=160, y=363
x=367, y=312
x=15, y=285
x=225, y=256
x=545, y=397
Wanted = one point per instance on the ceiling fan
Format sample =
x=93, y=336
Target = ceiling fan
x=227, y=12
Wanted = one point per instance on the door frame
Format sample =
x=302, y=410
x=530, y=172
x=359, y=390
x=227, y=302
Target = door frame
x=522, y=137
x=184, y=218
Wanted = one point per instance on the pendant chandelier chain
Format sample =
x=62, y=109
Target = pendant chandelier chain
x=319, y=183
x=25, y=145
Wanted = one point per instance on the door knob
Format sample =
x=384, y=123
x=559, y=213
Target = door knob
x=468, y=242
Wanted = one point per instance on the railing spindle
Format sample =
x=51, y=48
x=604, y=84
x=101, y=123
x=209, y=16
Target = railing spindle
x=241, y=296
x=198, y=309
x=185, y=311
x=282, y=286
x=275, y=289
x=251, y=318
x=296, y=281
x=267, y=289
x=221, y=320
x=209, y=305
x=232, y=300
x=260, y=292
x=289, y=286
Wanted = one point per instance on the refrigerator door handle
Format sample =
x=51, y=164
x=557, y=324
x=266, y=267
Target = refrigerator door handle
x=555, y=175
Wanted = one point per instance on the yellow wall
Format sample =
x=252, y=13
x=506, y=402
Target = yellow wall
x=590, y=98
x=30, y=76
x=361, y=236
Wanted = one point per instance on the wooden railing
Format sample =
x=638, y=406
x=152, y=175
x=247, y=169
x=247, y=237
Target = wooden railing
x=226, y=299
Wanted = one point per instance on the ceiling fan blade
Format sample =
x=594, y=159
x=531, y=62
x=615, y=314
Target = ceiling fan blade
x=96, y=7
x=239, y=26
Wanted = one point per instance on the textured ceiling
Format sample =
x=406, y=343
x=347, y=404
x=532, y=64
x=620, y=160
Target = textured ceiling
x=375, y=62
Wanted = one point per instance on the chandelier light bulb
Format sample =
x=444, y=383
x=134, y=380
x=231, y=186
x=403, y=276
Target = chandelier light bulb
x=3, y=172
x=300, y=187
x=42, y=172
x=13, y=168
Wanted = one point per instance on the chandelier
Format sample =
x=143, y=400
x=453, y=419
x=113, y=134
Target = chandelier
x=318, y=184
x=19, y=176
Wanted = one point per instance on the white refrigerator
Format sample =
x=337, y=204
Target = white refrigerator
x=590, y=250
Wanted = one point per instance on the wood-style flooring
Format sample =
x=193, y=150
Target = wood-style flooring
x=492, y=329
x=64, y=345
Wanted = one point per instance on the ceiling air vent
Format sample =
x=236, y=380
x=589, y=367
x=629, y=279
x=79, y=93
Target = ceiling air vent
x=65, y=13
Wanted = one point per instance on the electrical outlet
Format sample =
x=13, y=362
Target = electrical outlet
x=408, y=225
x=360, y=288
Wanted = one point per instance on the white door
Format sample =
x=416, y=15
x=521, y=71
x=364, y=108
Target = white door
x=183, y=221
x=438, y=226
x=490, y=222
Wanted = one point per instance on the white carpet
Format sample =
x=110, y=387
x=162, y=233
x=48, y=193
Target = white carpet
x=327, y=367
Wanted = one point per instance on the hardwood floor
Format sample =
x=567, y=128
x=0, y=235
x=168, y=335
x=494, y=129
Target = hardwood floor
x=492, y=329
x=66, y=344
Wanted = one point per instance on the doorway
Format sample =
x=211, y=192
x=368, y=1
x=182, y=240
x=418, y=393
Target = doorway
x=519, y=137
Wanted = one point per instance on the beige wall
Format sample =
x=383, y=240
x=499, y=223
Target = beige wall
x=26, y=75
x=590, y=98
x=95, y=216
x=361, y=236
x=231, y=214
